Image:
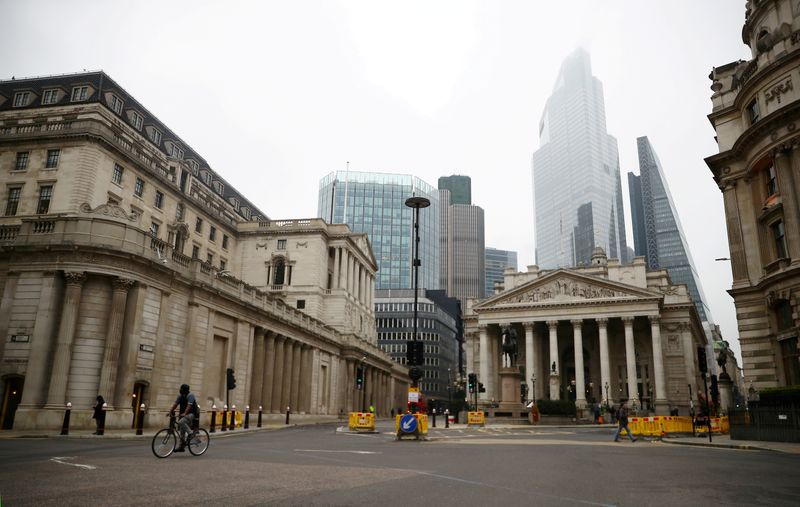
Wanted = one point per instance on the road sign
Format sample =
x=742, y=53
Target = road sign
x=408, y=423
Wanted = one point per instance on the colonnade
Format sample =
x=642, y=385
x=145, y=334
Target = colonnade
x=282, y=373
x=350, y=274
x=533, y=349
x=377, y=390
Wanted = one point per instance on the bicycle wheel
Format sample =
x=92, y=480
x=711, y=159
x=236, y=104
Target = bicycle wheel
x=164, y=443
x=198, y=442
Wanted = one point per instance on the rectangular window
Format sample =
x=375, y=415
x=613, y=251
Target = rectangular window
x=154, y=229
x=195, y=252
x=780, y=241
x=281, y=244
x=198, y=225
x=138, y=187
x=225, y=241
x=179, y=212
x=138, y=121
x=22, y=161
x=212, y=233
x=52, y=158
x=176, y=152
x=159, y=200
x=21, y=99
x=301, y=303
x=13, y=201
x=222, y=264
x=49, y=97
x=80, y=93
x=116, y=175
x=45, y=195
x=753, y=112
x=157, y=137
x=210, y=258
x=116, y=104
x=772, y=181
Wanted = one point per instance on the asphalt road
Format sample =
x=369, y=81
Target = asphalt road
x=318, y=465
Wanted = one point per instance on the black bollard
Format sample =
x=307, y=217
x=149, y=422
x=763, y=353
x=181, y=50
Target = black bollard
x=224, y=426
x=434, y=417
x=288, y=411
x=246, y=416
x=65, y=425
x=447, y=418
x=260, y=408
x=213, y=419
x=233, y=417
x=140, y=420
x=101, y=424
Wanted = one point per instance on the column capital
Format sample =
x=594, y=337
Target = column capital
x=654, y=319
x=603, y=322
x=122, y=284
x=529, y=325
x=74, y=277
x=627, y=320
x=260, y=332
x=552, y=323
x=576, y=322
x=483, y=327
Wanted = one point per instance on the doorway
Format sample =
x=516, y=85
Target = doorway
x=12, y=395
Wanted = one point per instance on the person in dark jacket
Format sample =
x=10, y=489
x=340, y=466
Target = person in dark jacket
x=99, y=414
x=622, y=423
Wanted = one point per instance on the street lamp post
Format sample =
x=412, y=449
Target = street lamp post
x=606, y=386
x=533, y=388
x=417, y=203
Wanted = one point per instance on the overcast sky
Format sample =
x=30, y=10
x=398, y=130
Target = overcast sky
x=276, y=94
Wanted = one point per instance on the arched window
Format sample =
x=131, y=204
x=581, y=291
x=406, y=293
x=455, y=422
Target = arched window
x=280, y=272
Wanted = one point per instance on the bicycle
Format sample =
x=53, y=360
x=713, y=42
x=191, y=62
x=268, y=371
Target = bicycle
x=166, y=440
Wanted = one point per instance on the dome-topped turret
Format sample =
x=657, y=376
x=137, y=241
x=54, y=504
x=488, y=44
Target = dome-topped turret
x=599, y=257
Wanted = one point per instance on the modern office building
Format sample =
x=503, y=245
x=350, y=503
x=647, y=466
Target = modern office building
x=462, y=242
x=374, y=204
x=496, y=261
x=576, y=178
x=128, y=266
x=755, y=113
x=460, y=188
x=657, y=231
x=439, y=328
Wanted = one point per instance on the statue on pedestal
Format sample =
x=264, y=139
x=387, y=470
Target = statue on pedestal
x=509, y=347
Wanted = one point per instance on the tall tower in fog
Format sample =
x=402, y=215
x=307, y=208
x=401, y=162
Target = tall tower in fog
x=576, y=179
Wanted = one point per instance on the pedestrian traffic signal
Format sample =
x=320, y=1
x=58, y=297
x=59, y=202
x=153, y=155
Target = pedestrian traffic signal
x=231, y=380
x=702, y=361
x=472, y=379
x=359, y=378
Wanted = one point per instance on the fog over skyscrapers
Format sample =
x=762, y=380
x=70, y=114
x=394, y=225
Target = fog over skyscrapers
x=576, y=179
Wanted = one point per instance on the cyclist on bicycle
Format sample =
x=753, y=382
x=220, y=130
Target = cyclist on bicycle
x=188, y=413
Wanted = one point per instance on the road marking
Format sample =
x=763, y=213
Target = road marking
x=530, y=441
x=331, y=450
x=60, y=459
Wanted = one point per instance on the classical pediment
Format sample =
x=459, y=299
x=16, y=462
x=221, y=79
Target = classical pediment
x=563, y=286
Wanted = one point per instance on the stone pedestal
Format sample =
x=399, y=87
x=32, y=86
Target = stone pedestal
x=509, y=409
x=555, y=384
x=725, y=385
x=509, y=385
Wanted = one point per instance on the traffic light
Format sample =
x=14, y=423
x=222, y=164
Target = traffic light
x=481, y=389
x=359, y=378
x=714, y=390
x=231, y=380
x=702, y=361
x=414, y=353
x=472, y=379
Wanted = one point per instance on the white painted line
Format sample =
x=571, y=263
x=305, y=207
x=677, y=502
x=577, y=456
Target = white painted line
x=329, y=450
x=60, y=459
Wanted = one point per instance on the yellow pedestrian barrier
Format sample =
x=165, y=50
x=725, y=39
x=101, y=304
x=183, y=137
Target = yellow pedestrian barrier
x=659, y=426
x=361, y=421
x=476, y=419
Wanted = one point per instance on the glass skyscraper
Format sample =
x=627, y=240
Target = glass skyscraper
x=657, y=231
x=374, y=203
x=496, y=261
x=576, y=179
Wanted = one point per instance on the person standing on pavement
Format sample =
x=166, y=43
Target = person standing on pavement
x=99, y=414
x=622, y=422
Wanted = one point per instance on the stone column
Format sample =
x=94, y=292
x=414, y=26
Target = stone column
x=337, y=257
x=56, y=395
x=277, y=405
x=350, y=379
x=305, y=379
x=268, y=378
x=580, y=381
x=605, y=365
x=297, y=367
x=791, y=211
x=484, y=361
x=529, y=357
x=555, y=384
x=630, y=361
x=257, y=385
x=662, y=405
x=108, y=373
x=689, y=356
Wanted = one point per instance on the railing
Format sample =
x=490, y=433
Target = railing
x=43, y=226
x=8, y=232
x=183, y=260
x=774, y=424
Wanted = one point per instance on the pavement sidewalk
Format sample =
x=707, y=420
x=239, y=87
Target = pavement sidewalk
x=724, y=441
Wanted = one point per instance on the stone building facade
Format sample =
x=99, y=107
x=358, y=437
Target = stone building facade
x=756, y=113
x=638, y=334
x=128, y=266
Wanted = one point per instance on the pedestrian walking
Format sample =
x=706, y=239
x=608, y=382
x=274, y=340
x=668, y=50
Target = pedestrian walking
x=596, y=412
x=622, y=423
x=99, y=414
